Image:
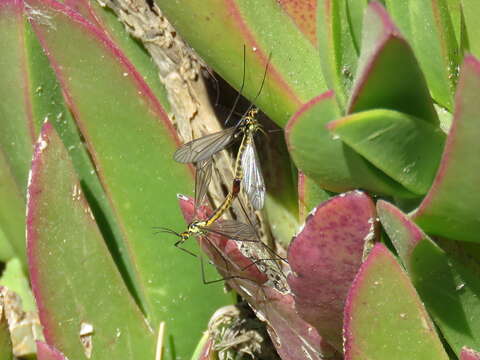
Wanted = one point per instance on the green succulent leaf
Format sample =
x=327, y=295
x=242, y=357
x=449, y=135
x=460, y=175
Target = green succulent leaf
x=328, y=161
x=471, y=16
x=388, y=74
x=450, y=209
x=404, y=147
x=108, y=22
x=75, y=281
x=263, y=28
x=428, y=27
x=12, y=214
x=17, y=124
x=338, y=53
x=130, y=140
x=384, y=317
x=449, y=289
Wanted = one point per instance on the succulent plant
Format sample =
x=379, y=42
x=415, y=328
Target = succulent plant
x=371, y=192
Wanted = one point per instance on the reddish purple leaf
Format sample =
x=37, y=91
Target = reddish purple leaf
x=469, y=354
x=325, y=257
x=47, y=352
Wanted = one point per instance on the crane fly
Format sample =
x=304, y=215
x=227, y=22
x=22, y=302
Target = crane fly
x=201, y=150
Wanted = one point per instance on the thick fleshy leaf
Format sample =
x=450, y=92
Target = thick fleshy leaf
x=449, y=289
x=376, y=85
x=18, y=128
x=471, y=16
x=428, y=27
x=338, y=53
x=325, y=257
x=450, y=209
x=264, y=28
x=384, y=317
x=74, y=279
x=309, y=195
x=12, y=214
x=115, y=30
x=404, y=147
x=6, y=352
x=134, y=165
x=469, y=354
x=325, y=159
x=47, y=352
x=48, y=103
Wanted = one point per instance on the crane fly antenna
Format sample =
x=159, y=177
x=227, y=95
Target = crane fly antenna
x=161, y=229
x=240, y=92
x=261, y=85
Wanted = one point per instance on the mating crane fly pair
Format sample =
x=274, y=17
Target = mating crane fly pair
x=247, y=173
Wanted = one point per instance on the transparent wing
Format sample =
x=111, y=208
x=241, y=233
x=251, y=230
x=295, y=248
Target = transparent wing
x=234, y=230
x=205, y=147
x=253, y=183
x=203, y=176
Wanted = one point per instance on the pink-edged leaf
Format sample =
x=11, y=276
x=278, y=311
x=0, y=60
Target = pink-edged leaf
x=18, y=128
x=326, y=255
x=384, y=317
x=376, y=85
x=47, y=352
x=404, y=147
x=74, y=279
x=107, y=21
x=450, y=209
x=291, y=335
x=294, y=74
x=131, y=141
x=327, y=160
x=448, y=286
x=429, y=29
x=469, y=354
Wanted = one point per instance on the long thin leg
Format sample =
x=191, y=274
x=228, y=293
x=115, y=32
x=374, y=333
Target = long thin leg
x=177, y=245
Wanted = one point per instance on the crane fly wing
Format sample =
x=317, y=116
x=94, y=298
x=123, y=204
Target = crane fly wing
x=253, y=183
x=205, y=147
x=203, y=176
x=234, y=230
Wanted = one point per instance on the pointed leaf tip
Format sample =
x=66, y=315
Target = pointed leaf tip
x=69, y=264
x=325, y=257
x=384, y=318
x=375, y=85
x=450, y=208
